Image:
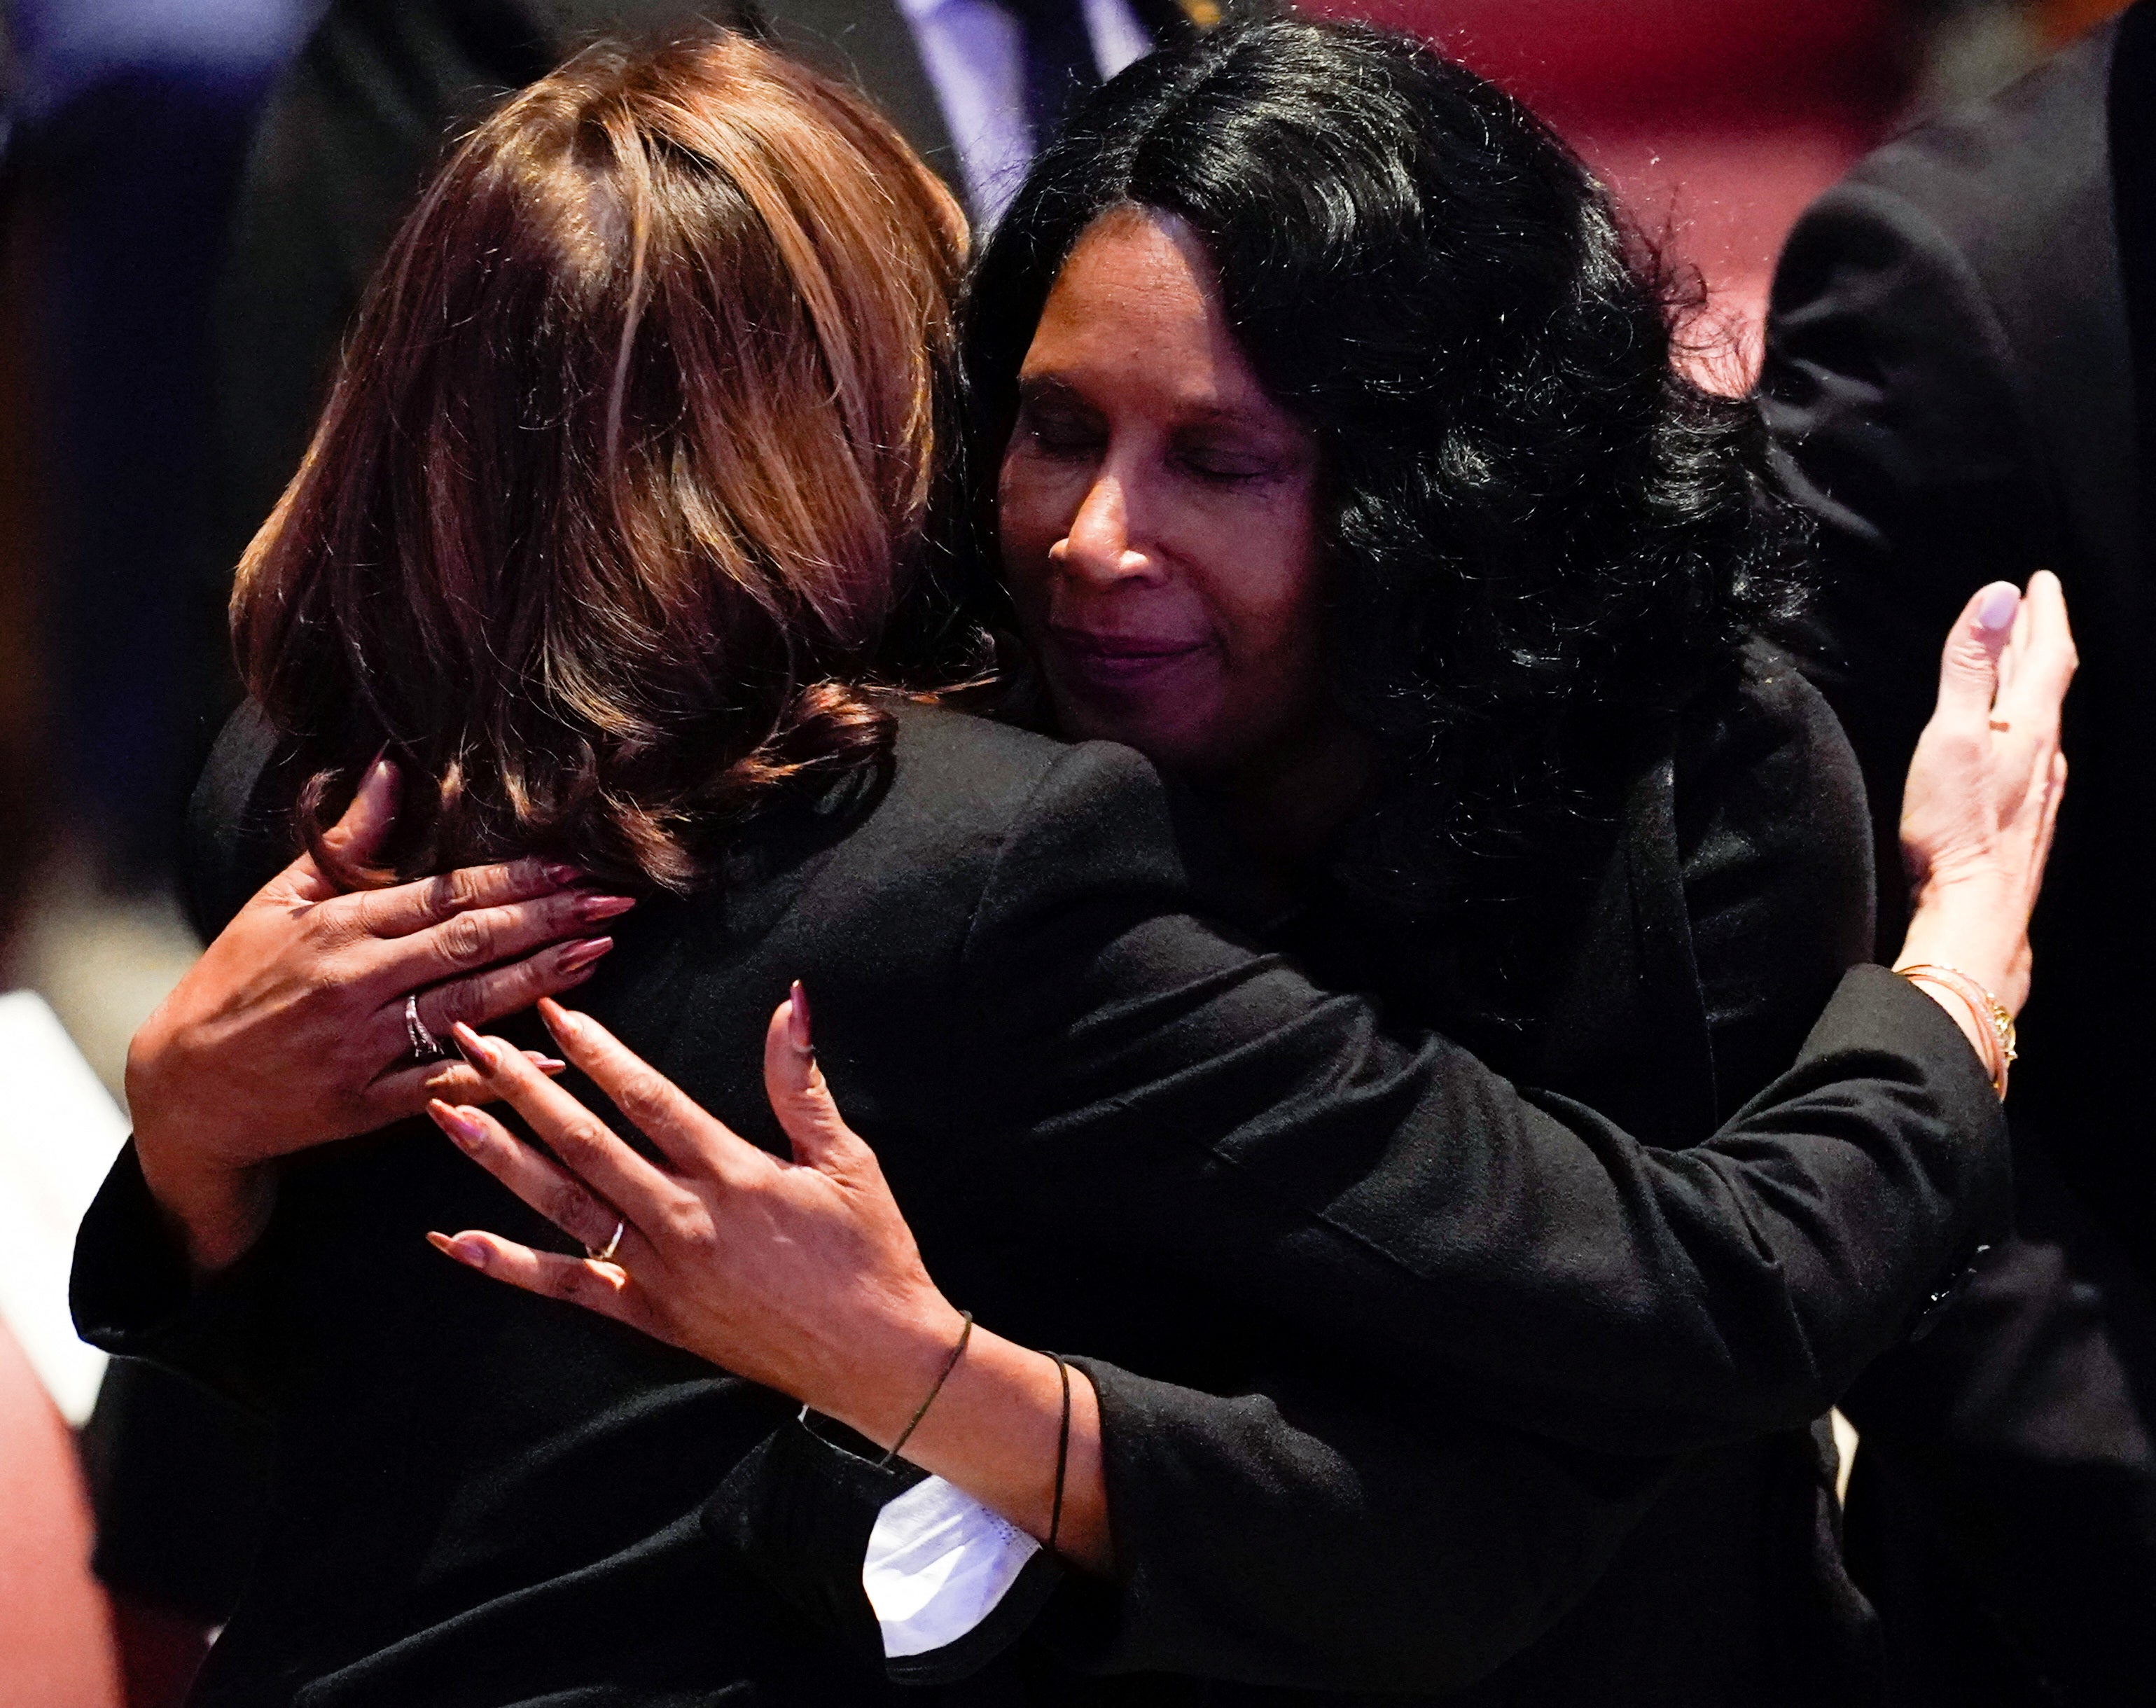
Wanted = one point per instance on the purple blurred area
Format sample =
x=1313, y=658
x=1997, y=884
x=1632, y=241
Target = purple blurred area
x=128, y=122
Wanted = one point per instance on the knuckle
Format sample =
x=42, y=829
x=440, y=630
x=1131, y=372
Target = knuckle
x=571, y=1209
x=688, y=1226
x=362, y=918
x=467, y=939
x=441, y=1009
x=584, y=1136
x=577, y=1283
x=461, y=889
x=642, y=1096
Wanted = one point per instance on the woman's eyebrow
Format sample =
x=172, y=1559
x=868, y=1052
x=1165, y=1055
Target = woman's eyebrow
x=1046, y=389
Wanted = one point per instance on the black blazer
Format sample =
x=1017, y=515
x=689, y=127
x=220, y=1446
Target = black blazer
x=1305, y=1530
x=1958, y=375
x=1114, y=1126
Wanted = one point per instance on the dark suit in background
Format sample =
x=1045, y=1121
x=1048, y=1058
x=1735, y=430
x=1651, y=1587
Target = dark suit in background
x=1959, y=363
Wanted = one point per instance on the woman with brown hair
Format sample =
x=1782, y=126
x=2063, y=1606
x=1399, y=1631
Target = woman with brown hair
x=606, y=534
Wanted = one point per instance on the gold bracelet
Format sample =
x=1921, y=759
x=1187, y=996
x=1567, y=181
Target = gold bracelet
x=1992, y=1017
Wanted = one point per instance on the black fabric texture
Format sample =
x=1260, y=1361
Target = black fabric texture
x=1957, y=376
x=1318, y=1534
x=1113, y=1125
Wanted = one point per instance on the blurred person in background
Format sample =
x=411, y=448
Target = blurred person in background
x=1961, y=373
x=129, y=121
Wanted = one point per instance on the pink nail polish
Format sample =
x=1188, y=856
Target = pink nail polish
x=469, y=1252
x=477, y=1050
x=577, y=955
x=457, y=1123
x=560, y=876
x=592, y=908
x=797, y=1018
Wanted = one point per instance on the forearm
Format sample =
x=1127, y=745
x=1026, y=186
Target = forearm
x=1979, y=932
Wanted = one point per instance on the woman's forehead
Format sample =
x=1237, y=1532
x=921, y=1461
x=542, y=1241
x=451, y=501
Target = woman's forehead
x=1136, y=306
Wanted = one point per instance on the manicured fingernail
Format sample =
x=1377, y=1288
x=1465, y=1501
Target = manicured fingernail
x=797, y=1018
x=546, y=1063
x=592, y=908
x=477, y=1050
x=576, y=957
x=563, y=1022
x=457, y=1123
x=470, y=1252
x=1995, y=610
x=560, y=876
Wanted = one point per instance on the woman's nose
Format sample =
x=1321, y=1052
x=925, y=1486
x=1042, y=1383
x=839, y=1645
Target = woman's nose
x=1098, y=547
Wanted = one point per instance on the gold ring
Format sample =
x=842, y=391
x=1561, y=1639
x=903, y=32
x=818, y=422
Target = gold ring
x=604, y=1253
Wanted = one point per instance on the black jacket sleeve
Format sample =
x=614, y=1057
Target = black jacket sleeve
x=1524, y=1257
x=1330, y=1540
x=1321, y=1537
x=131, y=1296
x=1326, y=1533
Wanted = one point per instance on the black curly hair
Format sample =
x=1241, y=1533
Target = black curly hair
x=1544, y=539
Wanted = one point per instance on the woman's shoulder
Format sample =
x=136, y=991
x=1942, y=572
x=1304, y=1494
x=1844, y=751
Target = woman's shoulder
x=958, y=774
x=973, y=812
x=1765, y=721
x=1773, y=850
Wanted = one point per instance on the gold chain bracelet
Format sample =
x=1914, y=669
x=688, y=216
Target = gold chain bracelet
x=1992, y=1016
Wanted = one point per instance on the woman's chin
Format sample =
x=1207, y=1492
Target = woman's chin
x=1165, y=726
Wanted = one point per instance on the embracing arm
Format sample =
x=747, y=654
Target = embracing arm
x=805, y=1276
x=1118, y=1066
x=1405, y=1203
x=291, y=1031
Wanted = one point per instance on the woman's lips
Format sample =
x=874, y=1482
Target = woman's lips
x=1120, y=660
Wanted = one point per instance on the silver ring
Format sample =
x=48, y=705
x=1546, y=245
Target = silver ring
x=424, y=1044
x=604, y=1253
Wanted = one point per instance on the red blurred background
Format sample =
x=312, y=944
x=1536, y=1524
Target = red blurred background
x=1716, y=121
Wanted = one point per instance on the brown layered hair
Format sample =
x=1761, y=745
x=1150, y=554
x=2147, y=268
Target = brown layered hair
x=626, y=467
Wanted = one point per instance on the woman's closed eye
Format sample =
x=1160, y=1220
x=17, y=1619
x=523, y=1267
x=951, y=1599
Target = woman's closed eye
x=1060, y=434
x=1228, y=466
x=1225, y=456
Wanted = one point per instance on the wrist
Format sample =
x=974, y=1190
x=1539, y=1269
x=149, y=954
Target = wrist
x=1979, y=928
x=215, y=1212
x=894, y=1370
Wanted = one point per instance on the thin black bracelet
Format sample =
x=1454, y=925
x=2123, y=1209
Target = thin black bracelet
x=951, y=1363
x=1062, y=1453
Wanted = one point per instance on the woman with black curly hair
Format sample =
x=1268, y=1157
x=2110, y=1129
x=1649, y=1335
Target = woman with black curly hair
x=1327, y=446
x=617, y=502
